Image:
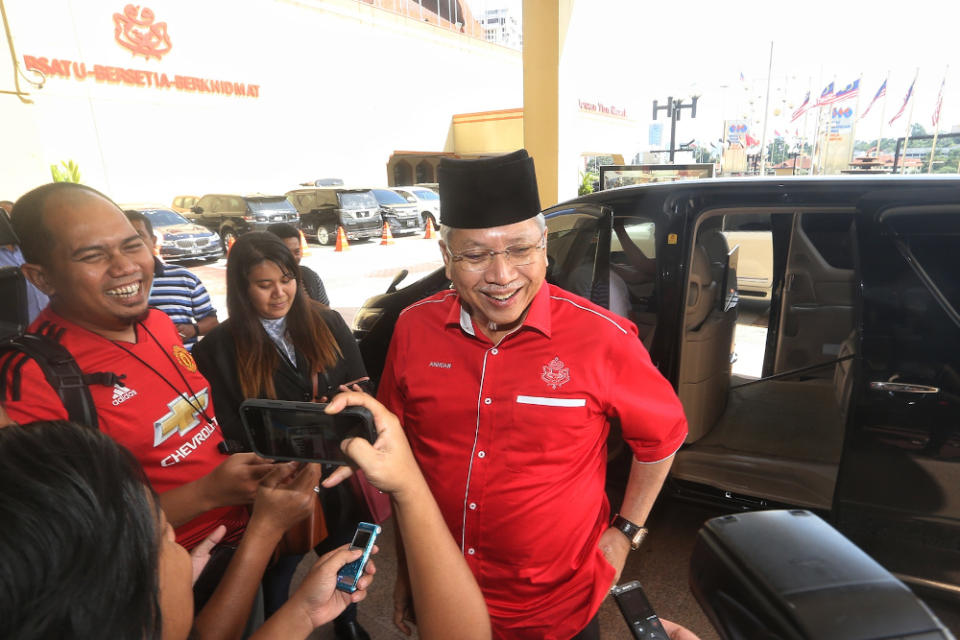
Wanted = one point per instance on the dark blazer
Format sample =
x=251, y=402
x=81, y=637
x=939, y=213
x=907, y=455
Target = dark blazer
x=217, y=361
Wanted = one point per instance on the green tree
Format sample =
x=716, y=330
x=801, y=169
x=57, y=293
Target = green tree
x=587, y=178
x=916, y=129
x=70, y=172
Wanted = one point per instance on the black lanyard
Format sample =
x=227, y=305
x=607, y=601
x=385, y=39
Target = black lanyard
x=195, y=404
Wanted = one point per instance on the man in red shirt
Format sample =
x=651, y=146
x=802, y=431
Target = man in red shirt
x=505, y=388
x=82, y=252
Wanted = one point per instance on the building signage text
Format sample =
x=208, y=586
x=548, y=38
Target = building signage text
x=62, y=68
x=602, y=109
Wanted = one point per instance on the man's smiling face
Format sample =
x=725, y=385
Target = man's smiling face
x=99, y=270
x=500, y=294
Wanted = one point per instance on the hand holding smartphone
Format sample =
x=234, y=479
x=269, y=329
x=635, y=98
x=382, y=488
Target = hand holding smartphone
x=288, y=430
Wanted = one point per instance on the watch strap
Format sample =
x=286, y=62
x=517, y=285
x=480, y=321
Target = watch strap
x=634, y=533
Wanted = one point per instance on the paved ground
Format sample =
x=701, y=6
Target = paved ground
x=661, y=564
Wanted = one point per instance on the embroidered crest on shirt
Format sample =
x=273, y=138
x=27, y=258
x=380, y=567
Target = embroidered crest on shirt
x=555, y=374
x=185, y=360
x=121, y=394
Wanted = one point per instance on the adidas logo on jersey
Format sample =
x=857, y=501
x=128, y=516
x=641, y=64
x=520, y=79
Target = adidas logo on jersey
x=122, y=394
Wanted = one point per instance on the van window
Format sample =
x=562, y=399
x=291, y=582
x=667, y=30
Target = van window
x=358, y=200
x=385, y=196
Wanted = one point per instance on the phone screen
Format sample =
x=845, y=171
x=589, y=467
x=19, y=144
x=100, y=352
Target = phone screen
x=360, y=539
x=297, y=434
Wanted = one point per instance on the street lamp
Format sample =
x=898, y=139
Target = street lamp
x=673, y=109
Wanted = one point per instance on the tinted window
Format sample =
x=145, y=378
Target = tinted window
x=830, y=234
x=572, y=251
x=385, y=196
x=358, y=200
x=163, y=217
x=426, y=194
x=263, y=205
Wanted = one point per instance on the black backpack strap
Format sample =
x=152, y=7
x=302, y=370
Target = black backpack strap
x=61, y=371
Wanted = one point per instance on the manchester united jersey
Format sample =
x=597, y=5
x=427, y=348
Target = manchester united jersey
x=157, y=406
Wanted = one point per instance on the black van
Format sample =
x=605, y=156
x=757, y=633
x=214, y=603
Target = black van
x=323, y=209
x=838, y=392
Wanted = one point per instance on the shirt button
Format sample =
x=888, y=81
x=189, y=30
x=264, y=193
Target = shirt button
x=473, y=506
x=494, y=351
x=487, y=401
x=482, y=454
x=471, y=551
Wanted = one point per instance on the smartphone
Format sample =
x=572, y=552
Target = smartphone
x=364, y=537
x=287, y=430
x=636, y=610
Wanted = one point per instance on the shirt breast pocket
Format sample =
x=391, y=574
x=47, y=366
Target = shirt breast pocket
x=548, y=431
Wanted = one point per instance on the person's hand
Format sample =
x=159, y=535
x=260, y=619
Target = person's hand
x=676, y=632
x=188, y=331
x=615, y=548
x=403, y=604
x=285, y=497
x=200, y=554
x=318, y=597
x=235, y=480
x=388, y=463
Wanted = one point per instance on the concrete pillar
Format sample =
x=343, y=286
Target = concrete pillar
x=545, y=24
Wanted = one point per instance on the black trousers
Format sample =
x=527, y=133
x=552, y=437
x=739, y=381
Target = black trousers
x=591, y=631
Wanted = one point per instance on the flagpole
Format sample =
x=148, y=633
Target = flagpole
x=853, y=127
x=766, y=112
x=906, y=137
x=936, y=127
x=883, y=113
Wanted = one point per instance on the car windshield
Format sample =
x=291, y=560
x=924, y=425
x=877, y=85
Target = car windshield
x=385, y=196
x=265, y=205
x=163, y=217
x=425, y=194
x=357, y=200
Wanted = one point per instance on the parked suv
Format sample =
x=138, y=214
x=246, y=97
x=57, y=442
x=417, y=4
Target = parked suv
x=231, y=215
x=323, y=209
x=426, y=200
x=402, y=216
x=838, y=392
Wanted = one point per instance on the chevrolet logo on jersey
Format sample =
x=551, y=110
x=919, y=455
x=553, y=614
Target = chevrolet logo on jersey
x=183, y=416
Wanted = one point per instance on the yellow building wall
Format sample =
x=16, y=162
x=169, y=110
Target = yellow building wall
x=488, y=132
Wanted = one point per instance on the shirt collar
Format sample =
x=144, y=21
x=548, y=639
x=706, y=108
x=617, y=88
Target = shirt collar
x=538, y=315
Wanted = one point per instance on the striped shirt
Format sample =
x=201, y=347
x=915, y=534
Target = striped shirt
x=180, y=294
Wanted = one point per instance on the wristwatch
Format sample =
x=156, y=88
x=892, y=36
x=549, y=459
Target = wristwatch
x=635, y=534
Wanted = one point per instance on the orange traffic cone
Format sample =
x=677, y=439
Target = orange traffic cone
x=429, y=235
x=304, y=249
x=230, y=242
x=342, y=244
x=386, y=237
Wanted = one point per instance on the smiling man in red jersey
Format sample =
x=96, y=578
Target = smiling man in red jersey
x=506, y=387
x=82, y=252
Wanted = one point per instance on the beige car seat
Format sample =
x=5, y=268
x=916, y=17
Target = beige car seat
x=707, y=344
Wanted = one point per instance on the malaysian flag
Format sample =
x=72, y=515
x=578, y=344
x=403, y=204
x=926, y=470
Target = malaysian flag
x=802, y=109
x=852, y=90
x=825, y=95
x=882, y=91
x=906, y=99
x=936, y=112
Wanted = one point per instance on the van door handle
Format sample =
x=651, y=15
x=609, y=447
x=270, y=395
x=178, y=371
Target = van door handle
x=903, y=387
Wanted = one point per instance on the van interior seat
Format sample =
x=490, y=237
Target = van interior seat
x=708, y=341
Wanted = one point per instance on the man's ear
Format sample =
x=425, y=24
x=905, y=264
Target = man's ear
x=447, y=262
x=36, y=274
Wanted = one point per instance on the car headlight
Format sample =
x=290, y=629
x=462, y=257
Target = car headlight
x=365, y=319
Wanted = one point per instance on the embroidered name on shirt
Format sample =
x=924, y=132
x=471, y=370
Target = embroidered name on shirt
x=555, y=374
x=441, y=365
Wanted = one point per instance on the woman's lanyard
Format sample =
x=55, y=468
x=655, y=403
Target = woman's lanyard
x=195, y=403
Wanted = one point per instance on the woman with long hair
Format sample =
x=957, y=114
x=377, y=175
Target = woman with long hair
x=279, y=344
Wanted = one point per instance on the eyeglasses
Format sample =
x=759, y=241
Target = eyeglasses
x=479, y=260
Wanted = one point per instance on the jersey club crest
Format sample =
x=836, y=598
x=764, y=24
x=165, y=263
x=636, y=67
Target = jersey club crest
x=555, y=374
x=184, y=359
